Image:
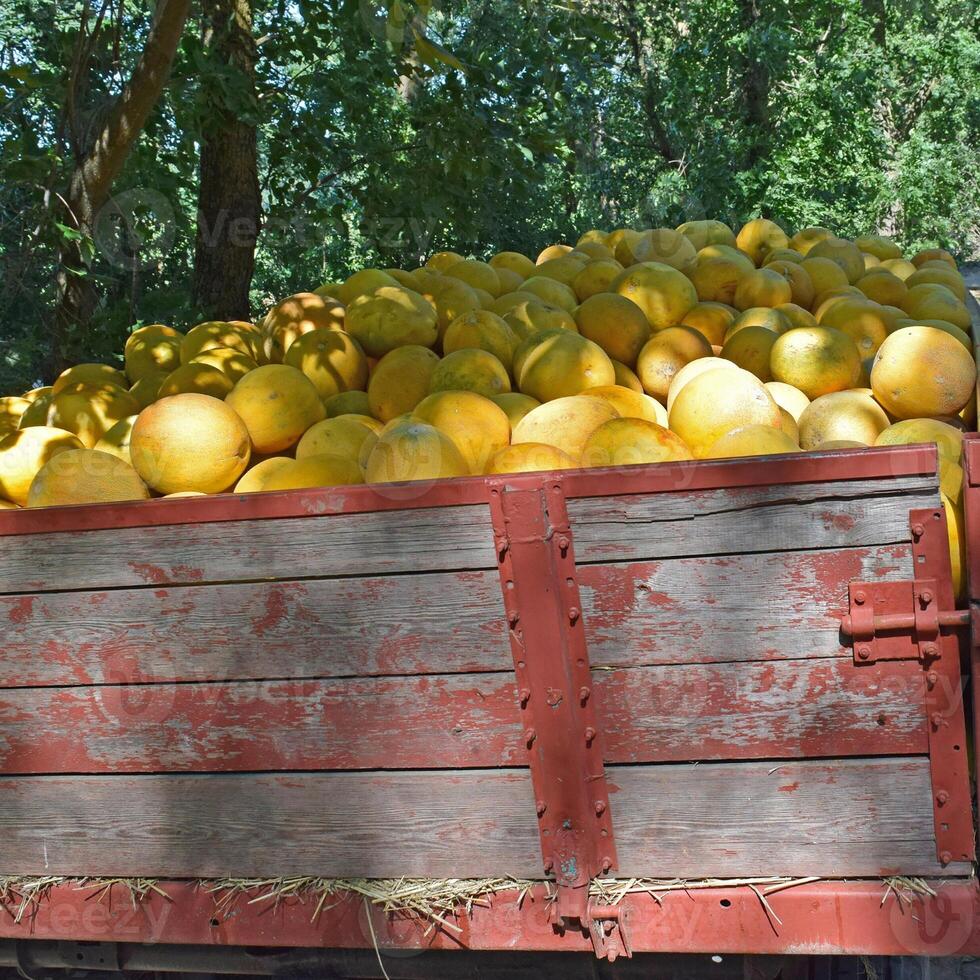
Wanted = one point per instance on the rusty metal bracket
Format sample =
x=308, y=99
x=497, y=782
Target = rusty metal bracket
x=917, y=620
x=609, y=931
x=559, y=725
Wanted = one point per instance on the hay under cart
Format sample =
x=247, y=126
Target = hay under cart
x=708, y=707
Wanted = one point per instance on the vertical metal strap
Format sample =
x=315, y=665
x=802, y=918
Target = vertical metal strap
x=541, y=598
x=952, y=805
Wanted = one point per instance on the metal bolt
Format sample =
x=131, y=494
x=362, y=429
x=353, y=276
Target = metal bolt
x=929, y=650
x=859, y=598
x=548, y=865
x=529, y=736
x=513, y=616
x=589, y=735
x=942, y=797
x=936, y=719
x=606, y=864
x=600, y=807
x=931, y=678
x=573, y=614
x=563, y=545
x=541, y=807
x=945, y=857
x=864, y=652
x=583, y=694
x=927, y=597
x=525, y=695
x=917, y=531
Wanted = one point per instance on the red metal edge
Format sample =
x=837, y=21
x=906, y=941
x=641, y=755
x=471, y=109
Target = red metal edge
x=872, y=463
x=971, y=532
x=822, y=918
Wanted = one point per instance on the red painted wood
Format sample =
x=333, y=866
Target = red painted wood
x=821, y=918
x=882, y=462
x=405, y=624
x=779, y=710
x=778, y=606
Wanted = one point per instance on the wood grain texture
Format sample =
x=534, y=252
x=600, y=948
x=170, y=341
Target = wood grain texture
x=854, y=513
x=382, y=543
x=780, y=606
x=445, y=622
x=844, y=818
x=646, y=714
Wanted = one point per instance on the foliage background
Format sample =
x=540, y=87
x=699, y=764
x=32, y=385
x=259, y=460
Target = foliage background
x=509, y=124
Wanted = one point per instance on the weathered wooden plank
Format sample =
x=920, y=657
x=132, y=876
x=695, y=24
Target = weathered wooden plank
x=785, y=709
x=854, y=513
x=843, y=818
x=785, y=605
x=382, y=543
x=444, y=622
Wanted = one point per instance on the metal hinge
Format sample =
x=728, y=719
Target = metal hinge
x=898, y=620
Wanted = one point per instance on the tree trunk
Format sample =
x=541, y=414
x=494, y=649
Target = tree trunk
x=755, y=88
x=229, y=198
x=97, y=164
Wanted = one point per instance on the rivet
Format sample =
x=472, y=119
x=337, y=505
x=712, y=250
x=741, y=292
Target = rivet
x=859, y=598
x=529, y=736
x=929, y=650
x=541, y=807
x=931, y=678
x=513, y=616
x=600, y=807
x=863, y=652
x=936, y=719
x=563, y=545
x=583, y=694
x=525, y=695
x=945, y=857
x=548, y=865
x=573, y=614
x=606, y=864
x=926, y=597
x=589, y=735
x=917, y=530
x=942, y=797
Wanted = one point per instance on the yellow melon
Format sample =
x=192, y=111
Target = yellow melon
x=502, y=305
x=414, y=450
x=933, y=301
x=564, y=269
x=838, y=444
x=24, y=452
x=400, y=381
x=899, y=267
x=633, y=441
x=478, y=428
x=551, y=292
x=340, y=436
x=37, y=412
x=483, y=330
x=117, y=437
x=229, y=361
x=707, y=232
x=470, y=369
x=630, y=404
x=479, y=275
x=941, y=275
x=331, y=359
x=189, y=442
x=595, y=278
x=853, y=416
x=596, y=251
x=883, y=287
x=806, y=238
x=800, y=283
x=440, y=261
x=615, y=323
x=862, y=320
x=796, y=316
x=256, y=475
x=750, y=349
x=789, y=425
x=323, y=470
x=758, y=316
x=407, y=279
x=817, y=360
x=880, y=246
x=514, y=262
x=365, y=282
x=509, y=280
x=790, y=399
x=661, y=292
x=956, y=531
x=347, y=403
x=667, y=247
x=515, y=405
x=451, y=298
x=560, y=363
x=152, y=349
x=691, y=370
x=711, y=320
x=844, y=253
x=196, y=377
x=759, y=237
x=529, y=457
x=90, y=410
x=715, y=279
x=211, y=334
x=565, y=423
x=277, y=403
x=530, y=317
x=93, y=375
x=752, y=440
x=85, y=476
x=824, y=273
x=626, y=376
x=665, y=354
x=716, y=402
x=922, y=371
x=762, y=287
x=390, y=317
x=552, y=252
x=930, y=254
x=947, y=438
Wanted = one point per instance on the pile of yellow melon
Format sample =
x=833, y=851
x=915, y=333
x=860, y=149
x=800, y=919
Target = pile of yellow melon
x=628, y=347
